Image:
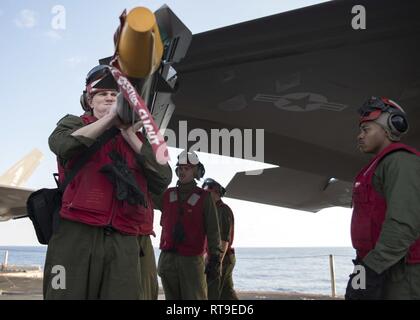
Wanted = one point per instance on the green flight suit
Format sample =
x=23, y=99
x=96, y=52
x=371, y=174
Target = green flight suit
x=97, y=264
x=397, y=178
x=227, y=292
x=103, y=265
x=222, y=288
x=149, y=280
x=157, y=183
x=183, y=277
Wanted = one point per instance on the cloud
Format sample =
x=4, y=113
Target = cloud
x=26, y=19
x=54, y=35
x=75, y=61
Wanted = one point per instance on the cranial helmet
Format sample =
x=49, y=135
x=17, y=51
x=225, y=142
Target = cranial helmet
x=98, y=79
x=214, y=185
x=388, y=114
x=190, y=159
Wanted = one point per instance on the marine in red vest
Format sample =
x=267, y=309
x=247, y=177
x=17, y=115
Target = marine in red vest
x=106, y=206
x=385, y=226
x=223, y=289
x=189, y=224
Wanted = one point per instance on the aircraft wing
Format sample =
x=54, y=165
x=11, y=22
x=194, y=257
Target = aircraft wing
x=13, y=202
x=301, y=75
x=12, y=196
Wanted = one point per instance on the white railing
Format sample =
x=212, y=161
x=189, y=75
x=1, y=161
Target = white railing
x=5, y=261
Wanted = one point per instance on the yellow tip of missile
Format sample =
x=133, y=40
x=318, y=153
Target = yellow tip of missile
x=140, y=48
x=141, y=19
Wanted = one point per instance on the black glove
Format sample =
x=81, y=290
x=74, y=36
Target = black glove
x=374, y=284
x=213, y=268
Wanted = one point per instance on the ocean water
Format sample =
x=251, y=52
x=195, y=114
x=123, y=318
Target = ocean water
x=257, y=269
x=292, y=269
x=24, y=256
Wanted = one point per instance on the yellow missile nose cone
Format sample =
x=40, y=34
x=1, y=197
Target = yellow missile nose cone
x=141, y=19
x=140, y=47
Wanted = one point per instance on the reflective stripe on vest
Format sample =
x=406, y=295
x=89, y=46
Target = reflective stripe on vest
x=173, y=196
x=190, y=214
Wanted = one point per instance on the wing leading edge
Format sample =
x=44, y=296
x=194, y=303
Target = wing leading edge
x=12, y=196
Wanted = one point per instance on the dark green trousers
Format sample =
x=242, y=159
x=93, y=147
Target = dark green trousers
x=403, y=282
x=85, y=262
x=227, y=292
x=148, y=272
x=222, y=287
x=183, y=278
x=213, y=288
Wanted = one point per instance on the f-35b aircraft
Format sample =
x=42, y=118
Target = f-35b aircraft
x=301, y=76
